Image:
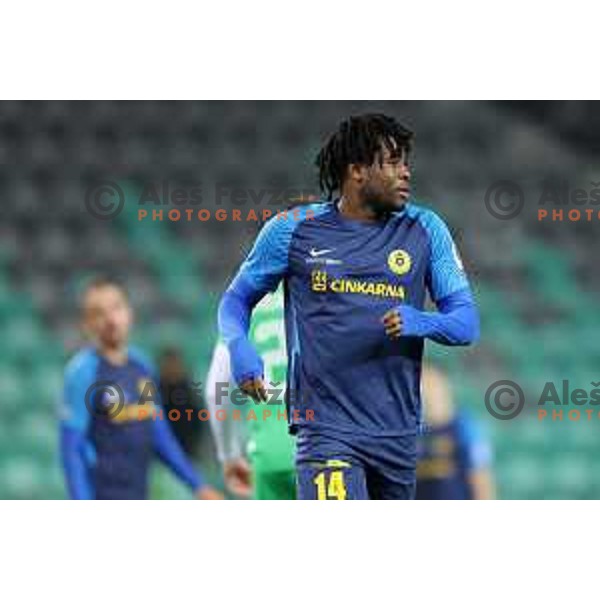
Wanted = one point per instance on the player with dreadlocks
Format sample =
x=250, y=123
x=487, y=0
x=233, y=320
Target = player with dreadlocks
x=359, y=140
x=356, y=271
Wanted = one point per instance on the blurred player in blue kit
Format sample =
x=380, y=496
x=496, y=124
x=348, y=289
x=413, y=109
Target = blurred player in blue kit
x=356, y=268
x=455, y=456
x=107, y=448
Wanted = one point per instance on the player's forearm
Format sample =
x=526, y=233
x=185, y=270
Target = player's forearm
x=228, y=439
x=234, y=322
x=72, y=446
x=234, y=315
x=456, y=323
x=457, y=328
x=217, y=426
x=170, y=452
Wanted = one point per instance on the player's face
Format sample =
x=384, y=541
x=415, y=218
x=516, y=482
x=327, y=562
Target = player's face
x=387, y=182
x=107, y=316
x=172, y=367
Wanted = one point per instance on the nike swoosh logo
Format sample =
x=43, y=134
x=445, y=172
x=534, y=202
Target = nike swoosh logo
x=314, y=252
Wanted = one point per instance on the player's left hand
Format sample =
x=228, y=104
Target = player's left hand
x=207, y=492
x=403, y=320
x=392, y=322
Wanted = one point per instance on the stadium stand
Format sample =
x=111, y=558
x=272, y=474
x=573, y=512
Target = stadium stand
x=533, y=279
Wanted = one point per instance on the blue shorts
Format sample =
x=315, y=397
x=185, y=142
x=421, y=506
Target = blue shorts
x=355, y=468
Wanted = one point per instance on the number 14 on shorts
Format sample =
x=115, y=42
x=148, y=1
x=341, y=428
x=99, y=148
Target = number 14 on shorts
x=330, y=485
x=331, y=480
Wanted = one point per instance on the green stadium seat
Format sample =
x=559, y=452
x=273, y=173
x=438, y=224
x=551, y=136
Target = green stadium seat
x=521, y=477
x=22, y=477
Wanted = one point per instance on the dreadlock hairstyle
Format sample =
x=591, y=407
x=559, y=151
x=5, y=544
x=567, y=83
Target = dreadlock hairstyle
x=359, y=140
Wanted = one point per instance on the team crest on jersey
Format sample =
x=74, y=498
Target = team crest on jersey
x=399, y=262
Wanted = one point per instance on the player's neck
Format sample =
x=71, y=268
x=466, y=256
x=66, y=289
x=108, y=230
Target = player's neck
x=115, y=355
x=353, y=207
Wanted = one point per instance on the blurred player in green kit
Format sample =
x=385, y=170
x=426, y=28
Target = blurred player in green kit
x=260, y=431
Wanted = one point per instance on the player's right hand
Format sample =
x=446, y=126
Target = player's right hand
x=237, y=476
x=255, y=388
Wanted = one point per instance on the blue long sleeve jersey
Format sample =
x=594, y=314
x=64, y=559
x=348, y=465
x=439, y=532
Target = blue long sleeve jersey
x=341, y=276
x=107, y=445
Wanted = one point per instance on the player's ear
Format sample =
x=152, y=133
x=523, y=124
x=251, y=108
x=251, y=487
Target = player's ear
x=357, y=173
